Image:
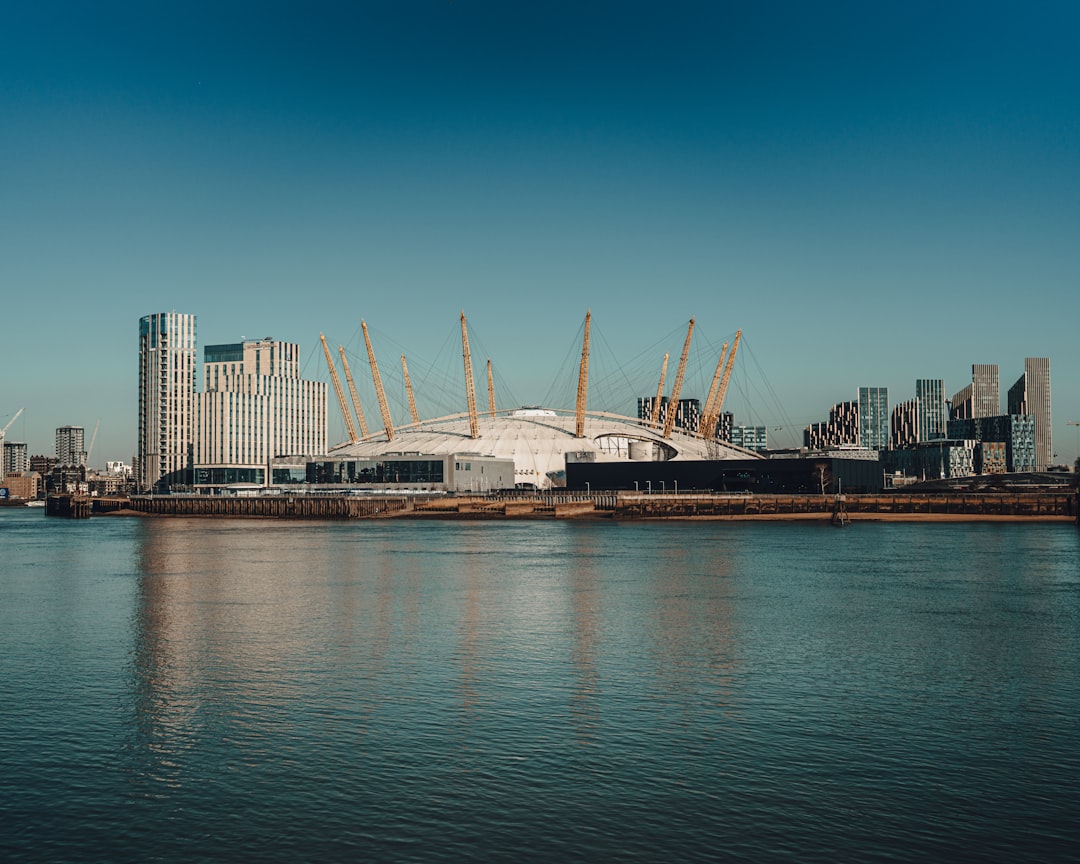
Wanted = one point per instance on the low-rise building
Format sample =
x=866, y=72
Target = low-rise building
x=456, y=472
x=23, y=484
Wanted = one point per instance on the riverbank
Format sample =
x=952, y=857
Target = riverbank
x=616, y=506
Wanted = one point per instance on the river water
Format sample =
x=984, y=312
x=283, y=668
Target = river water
x=225, y=690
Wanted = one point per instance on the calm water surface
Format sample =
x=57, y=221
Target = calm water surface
x=208, y=690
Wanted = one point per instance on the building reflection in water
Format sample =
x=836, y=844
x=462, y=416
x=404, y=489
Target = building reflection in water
x=259, y=636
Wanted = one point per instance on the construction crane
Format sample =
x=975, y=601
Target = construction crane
x=3, y=432
x=352, y=393
x=350, y=427
x=676, y=388
x=583, y=380
x=380, y=394
x=93, y=440
x=414, y=415
x=654, y=420
x=470, y=389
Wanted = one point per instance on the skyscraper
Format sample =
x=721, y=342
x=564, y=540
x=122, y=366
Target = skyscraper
x=1030, y=395
x=930, y=393
x=166, y=399
x=874, y=418
x=985, y=390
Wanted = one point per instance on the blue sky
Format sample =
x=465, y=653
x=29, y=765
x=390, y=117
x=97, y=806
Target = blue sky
x=873, y=192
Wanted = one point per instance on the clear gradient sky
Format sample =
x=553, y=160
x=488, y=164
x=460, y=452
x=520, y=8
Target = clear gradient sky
x=873, y=192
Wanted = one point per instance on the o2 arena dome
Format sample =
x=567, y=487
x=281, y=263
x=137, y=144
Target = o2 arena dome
x=540, y=440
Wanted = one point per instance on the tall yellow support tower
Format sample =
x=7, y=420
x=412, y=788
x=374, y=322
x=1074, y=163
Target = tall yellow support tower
x=709, y=423
x=350, y=427
x=655, y=418
x=353, y=394
x=470, y=389
x=706, y=409
x=491, y=391
x=583, y=381
x=676, y=388
x=413, y=414
x=380, y=394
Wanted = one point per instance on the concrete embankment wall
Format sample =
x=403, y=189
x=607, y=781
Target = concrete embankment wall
x=974, y=506
x=628, y=506
x=270, y=506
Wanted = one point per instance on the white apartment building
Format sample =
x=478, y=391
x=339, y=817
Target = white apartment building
x=255, y=407
x=166, y=399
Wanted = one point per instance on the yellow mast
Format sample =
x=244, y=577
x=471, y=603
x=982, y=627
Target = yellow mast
x=352, y=393
x=408, y=392
x=655, y=419
x=470, y=390
x=350, y=427
x=676, y=389
x=583, y=380
x=491, y=391
x=706, y=410
x=715, y=418
x=380, y=394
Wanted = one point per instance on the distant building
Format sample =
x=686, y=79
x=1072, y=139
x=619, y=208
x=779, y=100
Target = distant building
x=940, y=459
x=985, y=390
x=687, y=414
x=841, y=429
x=42, y=464
x=70, y=450
x=754, y=438
x=1030, y=395
x=166, y=438
x=23, y=484
x=962, y=406
x=255, y=407
x=874, y=418
x=16, y=459
x=930, y=394
x=991, y=457
x=1015, y=431
x=904, y=426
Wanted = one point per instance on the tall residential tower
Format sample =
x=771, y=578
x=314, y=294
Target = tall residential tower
x=930, y=393
x=166, y=399
x=874, y=418
x=1030, y=395
x=70, y=452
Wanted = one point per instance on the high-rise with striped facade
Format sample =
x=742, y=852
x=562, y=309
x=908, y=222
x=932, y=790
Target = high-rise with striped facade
x=166, y=434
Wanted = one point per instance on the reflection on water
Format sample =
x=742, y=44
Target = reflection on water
x=214, y=690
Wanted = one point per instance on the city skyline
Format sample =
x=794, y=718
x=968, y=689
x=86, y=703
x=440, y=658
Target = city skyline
x=875, y=196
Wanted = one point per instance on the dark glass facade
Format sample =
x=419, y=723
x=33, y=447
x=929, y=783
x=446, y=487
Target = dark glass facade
x=412, y=471
x=229, y=476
